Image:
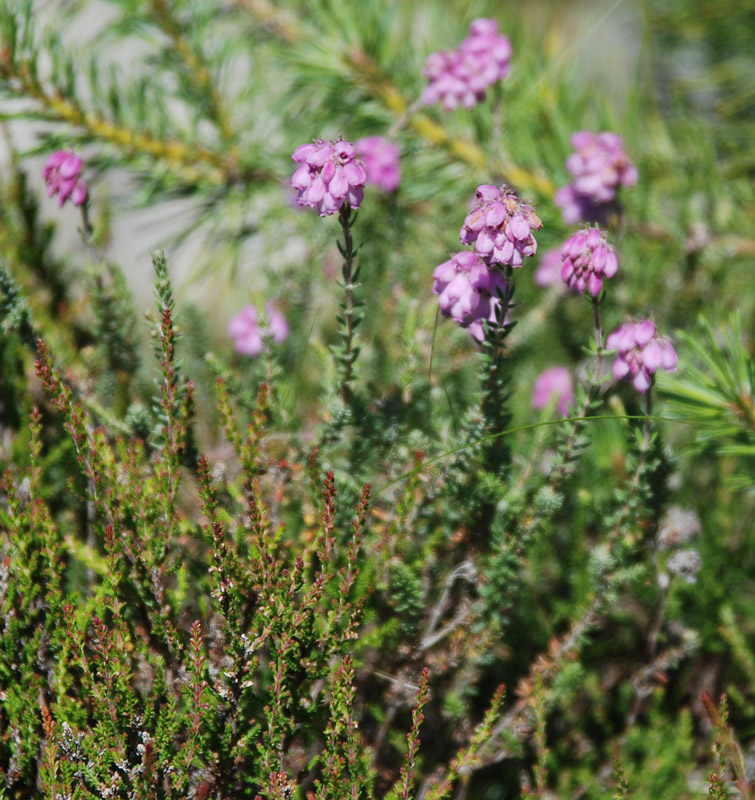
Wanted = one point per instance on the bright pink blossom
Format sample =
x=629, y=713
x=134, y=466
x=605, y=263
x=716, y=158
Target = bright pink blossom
x=641, y=351
x=555, y=382
x=381, y=161
x=329, y=174
x=500, y=226
x=249, y=336
x=62, y=173
x=587, y=259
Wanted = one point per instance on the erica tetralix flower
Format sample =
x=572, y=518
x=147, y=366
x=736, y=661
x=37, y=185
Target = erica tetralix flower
x=641, y=352
x=329, y=174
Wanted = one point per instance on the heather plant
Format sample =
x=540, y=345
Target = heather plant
x=436, y=480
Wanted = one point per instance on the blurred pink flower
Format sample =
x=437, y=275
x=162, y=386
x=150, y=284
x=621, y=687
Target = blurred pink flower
x=548, y=272
x=555, y=382
x=381, y=160
x=600, y=166
x=62, y=173
x=460, y=77
x=247, y=334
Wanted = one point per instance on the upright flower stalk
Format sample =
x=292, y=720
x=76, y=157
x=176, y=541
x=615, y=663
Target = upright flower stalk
x=331, y=178
x=347, y=353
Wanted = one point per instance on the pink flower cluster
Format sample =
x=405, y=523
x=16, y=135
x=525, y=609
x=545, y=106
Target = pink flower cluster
x=468, y=284
x=249, y=335
x=460, y=77
x=641, y=351
x=599, y=166
x=555, y=382
x=62, y=173
x=329, y=175
x=381, y=161
x=500, y=227
x=587, y=259
x=468, y=291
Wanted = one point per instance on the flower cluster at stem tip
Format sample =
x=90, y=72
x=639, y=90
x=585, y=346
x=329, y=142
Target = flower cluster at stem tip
x=62, y=173
x=641, y=351
x=586, y=260
x=461, y=77
x=468, y=291
x=248, y=333
x=468, y=284
x=600, y=166
x=500, y=227
x=329, y=175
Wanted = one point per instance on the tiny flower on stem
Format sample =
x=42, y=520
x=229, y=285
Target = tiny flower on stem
x=641, y=351
x=62, y=173
x=329, y=175
x=587, y=259
x=555, y=382
x=500, y=226
x=381, y=161
x=461, y=77
x=249, y=335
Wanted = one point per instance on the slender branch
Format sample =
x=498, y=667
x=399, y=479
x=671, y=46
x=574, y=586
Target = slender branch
x=197, y=69
x=193, y=162
x=349, y=355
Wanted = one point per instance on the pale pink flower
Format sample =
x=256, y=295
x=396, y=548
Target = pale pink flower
x=641, y=352
x=249, y=336
x=554, y=383
x=381, y=161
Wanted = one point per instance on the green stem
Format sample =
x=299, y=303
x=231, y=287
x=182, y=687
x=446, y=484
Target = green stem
x=349, y=355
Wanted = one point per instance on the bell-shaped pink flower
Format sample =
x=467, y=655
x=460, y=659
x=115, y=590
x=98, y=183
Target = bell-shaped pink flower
x=586, y=260
x=329, y=175
x=641, y=351
x=467, y=289
x=500, y=226
x=62, y=173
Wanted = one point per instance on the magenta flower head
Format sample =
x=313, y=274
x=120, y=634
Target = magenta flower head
x=468, y=291
x=599, y=166
x=249, y=336
x=62, y=173
x=381, y=161
x=329, y=174
x=587, y=259
x=500, y=226
x=641, y=351
x=461, y=77
x=555, y=382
